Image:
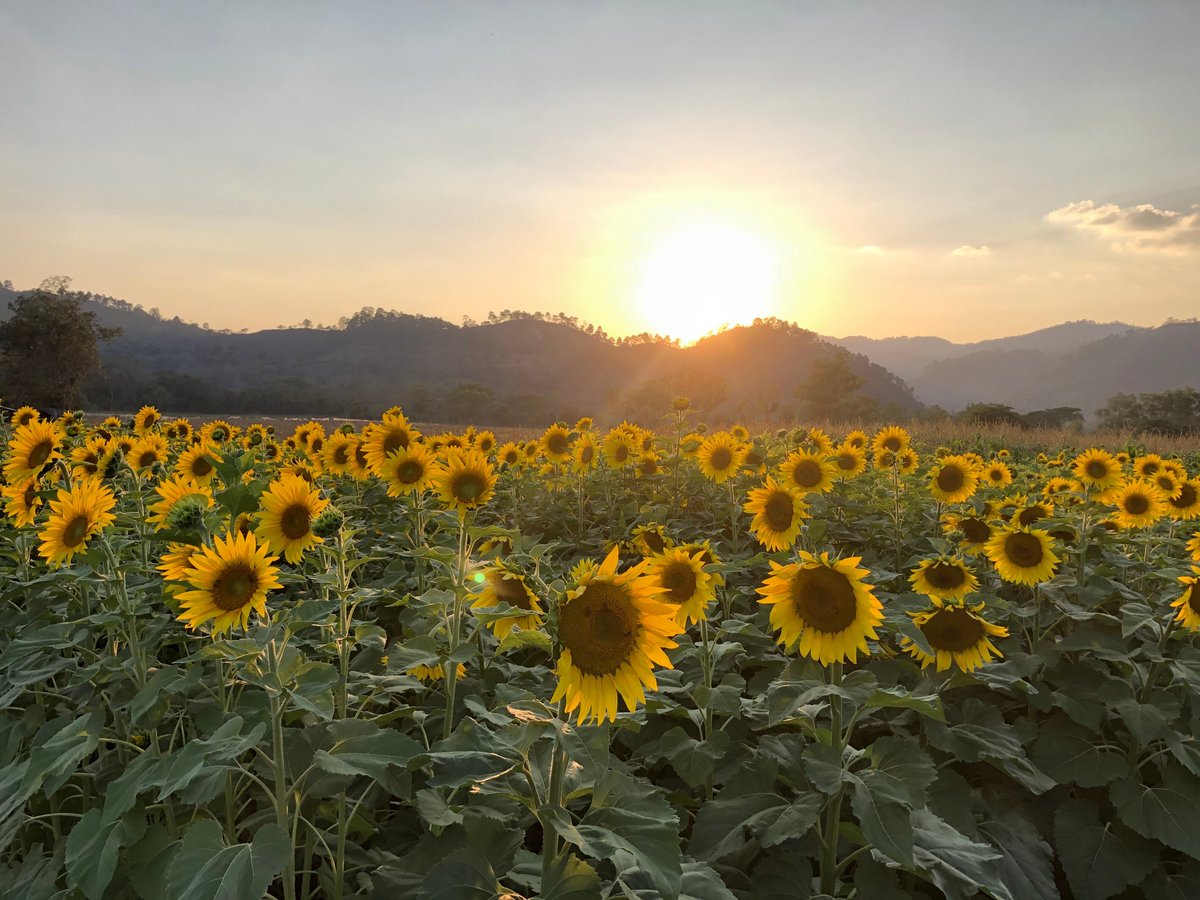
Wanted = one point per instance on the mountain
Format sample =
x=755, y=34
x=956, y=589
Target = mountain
x=910, y=357
x=517, y=368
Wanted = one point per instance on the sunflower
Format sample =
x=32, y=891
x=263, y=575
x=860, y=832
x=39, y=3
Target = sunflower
x=509, y=455
x=907, y=462
x=289, y=507
x=856, y=439
x=647, y=465
x=1022, y=556
x=1186, y=504
x=24, y=416
x=466, y=481
x=943, y=578
x=179, y=430
x=22, y=501
x=410, y=470
x=504, y=587
x=1193, y=546
x=820, y=441
x=229, y=580
x=337, y=456
x=556, y=443
x=892, y=439
x=1097, y=469
x=613, y=630
x=808, y=472
x=307, y=433
x=271, y=452
x=146, y=419
x=957, y=635
x=619, y=448
x=1139, y=505
x=720, y=456
x=32, y=447
x=1148, y=465
x=851, y=461
x=686, y=586
x=87, y=458
x=953, y=480
x=755, y=460
x=1059, y=485
x=822, y=607
x=485, y=442
x=1027, y=513
x=430, y=674
x=1188, y=603
x=148, y=452
x=1167, y=482
x=650, y=539
x=1176, y=468
x=77, y=515
x=173, y=491
x=176, y=561
x=779, y=512
x=997, y=474
x=584, y=454
x=689, y=445
x=740, y=432
x=218, y=431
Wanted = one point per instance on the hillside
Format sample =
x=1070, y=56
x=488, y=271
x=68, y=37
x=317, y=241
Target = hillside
x=519, y=370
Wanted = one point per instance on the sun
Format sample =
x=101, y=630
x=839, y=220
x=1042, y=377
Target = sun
x=704, y=274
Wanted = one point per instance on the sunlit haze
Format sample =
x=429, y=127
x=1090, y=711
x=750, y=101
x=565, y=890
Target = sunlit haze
x=965, y=170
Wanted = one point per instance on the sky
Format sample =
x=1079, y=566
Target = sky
x=968, y=170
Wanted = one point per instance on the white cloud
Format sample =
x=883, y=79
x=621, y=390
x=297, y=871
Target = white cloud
x=1136, y=229
x=971, y=252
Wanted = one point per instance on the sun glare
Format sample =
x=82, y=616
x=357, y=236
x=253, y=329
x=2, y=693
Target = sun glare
x=706, y=274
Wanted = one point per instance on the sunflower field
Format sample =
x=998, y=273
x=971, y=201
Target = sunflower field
x=670, y=663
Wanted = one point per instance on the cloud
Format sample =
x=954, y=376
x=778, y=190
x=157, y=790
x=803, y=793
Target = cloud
x=1135, y=229
x=970, y=252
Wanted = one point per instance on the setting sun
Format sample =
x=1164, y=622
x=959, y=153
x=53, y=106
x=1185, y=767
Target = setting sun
x=700, y=276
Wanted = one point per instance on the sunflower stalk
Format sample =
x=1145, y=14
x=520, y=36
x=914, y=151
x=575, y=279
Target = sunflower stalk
x=554, y=798
x=833, y=810
x=456, y=614
x=274, y=652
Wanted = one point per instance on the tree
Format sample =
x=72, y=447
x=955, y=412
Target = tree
x=832, y=391
x=991, y=414
x=48, y=348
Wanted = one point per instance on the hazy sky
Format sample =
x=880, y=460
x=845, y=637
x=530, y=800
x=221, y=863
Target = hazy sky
x=962, y=169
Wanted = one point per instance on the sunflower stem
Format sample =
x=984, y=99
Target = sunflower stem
x=706, y=727
x=455, y=626
x=281, y=792
x=833, y=812
x=558, y=765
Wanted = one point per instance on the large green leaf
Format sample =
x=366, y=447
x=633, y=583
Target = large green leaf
x=462, y=875
x=1165, y=812
x=205, y=869
x=570, y=878
x=884, y=822
x=92, y=848
x=363, y=748
x=725, y=824
x=1101, y=859
x=1026, y=861
x=1070, y=754
x=959, y=867
x=694, y=760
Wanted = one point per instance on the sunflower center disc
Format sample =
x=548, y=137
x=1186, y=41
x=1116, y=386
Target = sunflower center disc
x=234, y=587
x=824, y=599
x=975, y=530
x=847, y=461
x=1187, y=497
x=778, y=512
x=75, y=531
x=294, y=522
x=468, y=487
x=954, y=629
x=1194, y=599
x=410, y=471
x=1023, y=549
x=394, y=441
x=1031, y=515
x=653, y=541
x=1149, y=468
x=1096, y=469
x=587, y=454
x=147, y=459
x=1137, y=504
x=509, y=591
x=1167, y=483
x=557, y=444
x=341, y=456
x=599, y=627
x=892, y=444
x=40, y=453
x=945, y=575
x=721, y=459
x=807, y=474
x=680, y=582
x=950, y=479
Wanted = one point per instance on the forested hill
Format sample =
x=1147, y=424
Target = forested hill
x=516, y=369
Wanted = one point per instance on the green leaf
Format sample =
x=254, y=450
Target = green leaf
x=1026, y=866
x=824, y=767
x=958, y=866
x=722, y=824
x=1070, y=754
x=981, y=734
x=694, y=760
x=702, y=883
x=363, y=748
x=149, y=860
x=633, y=825
x=884, y=822
x=570, y=878
x=436, y=811
x=795, y=820
x=1146, y=721
x=897, y=697
x=92, y=848
x=463, y=874
x=418, y=651
x=1166, y=812
x=205, y=869
x=904, y=760
x=1101, y=859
